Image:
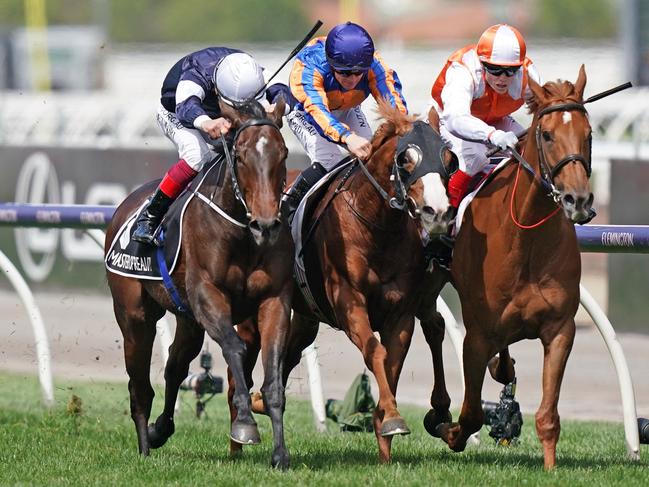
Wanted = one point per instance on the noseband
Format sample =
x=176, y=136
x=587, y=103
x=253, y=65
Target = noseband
x=548, y=172
x=232, y=159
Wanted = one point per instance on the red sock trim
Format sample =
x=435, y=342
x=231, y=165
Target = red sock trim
x=177, y=178
x=458, y=187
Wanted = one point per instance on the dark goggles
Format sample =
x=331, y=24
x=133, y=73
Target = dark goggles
x=351, y=72
x=508, y=71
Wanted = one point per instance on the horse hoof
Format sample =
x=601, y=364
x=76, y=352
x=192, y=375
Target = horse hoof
x=432, y=421
x=394, y=426
x=280, y=461
x=245, y=434
x=160, y=431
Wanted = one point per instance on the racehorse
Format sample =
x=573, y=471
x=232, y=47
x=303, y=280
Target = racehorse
x=233, y=266
x=368, y=255
x=516, y=263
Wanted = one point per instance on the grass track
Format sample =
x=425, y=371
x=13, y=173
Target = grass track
x=98, y=447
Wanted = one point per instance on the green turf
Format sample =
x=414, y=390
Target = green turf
x=97, y=446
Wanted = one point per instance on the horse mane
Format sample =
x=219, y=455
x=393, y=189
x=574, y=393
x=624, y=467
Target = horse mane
x=555, y=91
x=252, y=109
x=395, y=123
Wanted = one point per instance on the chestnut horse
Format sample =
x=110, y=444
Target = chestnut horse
x=228, y=271
x=368, y=251
x=516, y=263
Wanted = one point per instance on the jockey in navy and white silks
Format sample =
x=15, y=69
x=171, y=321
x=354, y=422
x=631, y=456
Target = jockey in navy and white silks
x=330, y=79
x=189, y=115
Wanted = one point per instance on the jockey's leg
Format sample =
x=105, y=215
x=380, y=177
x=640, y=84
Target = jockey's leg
x=323, y=154
x=194, y=152
x=303, y=183
x=472, y=159
x=171, y=186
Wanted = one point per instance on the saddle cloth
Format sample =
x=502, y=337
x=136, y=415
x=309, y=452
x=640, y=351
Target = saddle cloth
x=301, y=229
x=488, y=174
x=130, y=258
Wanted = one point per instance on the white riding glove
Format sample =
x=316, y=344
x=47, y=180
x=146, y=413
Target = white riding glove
x=503, y=139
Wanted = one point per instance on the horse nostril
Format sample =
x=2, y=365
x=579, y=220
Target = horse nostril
x=568, y=200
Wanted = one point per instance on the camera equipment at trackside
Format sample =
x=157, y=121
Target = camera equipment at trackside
x=504, y=418
x=643, y=430
x=203, y=383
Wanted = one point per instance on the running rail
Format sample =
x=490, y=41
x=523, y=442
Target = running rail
x=592, y=238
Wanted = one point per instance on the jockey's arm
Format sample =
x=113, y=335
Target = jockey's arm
x=189, y=109
x=307, y=85
x=457, y=97
x=384, y=84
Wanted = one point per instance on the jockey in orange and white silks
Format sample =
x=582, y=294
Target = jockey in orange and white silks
x=475, y=93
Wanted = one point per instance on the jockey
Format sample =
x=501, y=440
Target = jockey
x=189, y=115
x=330, y=79
x=475, y=94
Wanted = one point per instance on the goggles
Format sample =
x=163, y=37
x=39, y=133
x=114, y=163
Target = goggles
x=348, y=73
x=495, y=70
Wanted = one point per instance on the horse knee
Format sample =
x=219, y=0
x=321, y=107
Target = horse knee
x=274, y=397
x=548, y=426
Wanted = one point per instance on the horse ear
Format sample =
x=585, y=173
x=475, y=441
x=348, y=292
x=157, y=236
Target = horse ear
x=230, y=113
x=537, y=91
x=433, y=119
x=278, y=112
x=580, y=84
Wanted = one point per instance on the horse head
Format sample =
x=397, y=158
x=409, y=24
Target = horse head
x=258, y=168
x=562, y=135
x=418, y=174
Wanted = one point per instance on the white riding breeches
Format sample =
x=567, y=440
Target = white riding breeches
x=194, y=146
x=472, y=156
x=320, y=149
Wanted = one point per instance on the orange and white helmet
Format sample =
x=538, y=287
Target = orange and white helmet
x=502, y=45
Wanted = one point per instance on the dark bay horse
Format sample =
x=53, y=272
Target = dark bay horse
x=227, y=273
x=516, y=263
x=370, y=256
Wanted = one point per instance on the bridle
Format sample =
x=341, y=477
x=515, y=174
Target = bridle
x=231, y=158
x=548, y=173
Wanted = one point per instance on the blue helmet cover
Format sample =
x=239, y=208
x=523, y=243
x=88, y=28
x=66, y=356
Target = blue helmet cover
x=349, y=47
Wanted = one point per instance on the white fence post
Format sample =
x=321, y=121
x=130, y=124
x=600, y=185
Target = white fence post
x=315, y=387
x=624, y=377
x=40, y=336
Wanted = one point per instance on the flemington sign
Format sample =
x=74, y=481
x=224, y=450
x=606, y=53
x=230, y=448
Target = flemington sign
x=64, y=176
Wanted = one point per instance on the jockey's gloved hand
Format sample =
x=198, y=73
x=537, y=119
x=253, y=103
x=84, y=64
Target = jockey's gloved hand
x=359, y=146
x=502, y=139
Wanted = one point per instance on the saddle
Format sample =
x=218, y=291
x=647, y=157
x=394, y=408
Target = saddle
x=130, y=258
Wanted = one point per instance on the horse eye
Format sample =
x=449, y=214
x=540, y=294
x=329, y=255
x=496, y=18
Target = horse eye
x=547, y=136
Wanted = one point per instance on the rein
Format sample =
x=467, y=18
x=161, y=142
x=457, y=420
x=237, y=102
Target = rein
x=236, y=188
x=547, y=173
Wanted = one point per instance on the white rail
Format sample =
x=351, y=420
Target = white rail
x=40, y=335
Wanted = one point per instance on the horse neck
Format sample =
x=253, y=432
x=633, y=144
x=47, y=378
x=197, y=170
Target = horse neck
x=531, y=201
x=223, y=194
x=367, y=198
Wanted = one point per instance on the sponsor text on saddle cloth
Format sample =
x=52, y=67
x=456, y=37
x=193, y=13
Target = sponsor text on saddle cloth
x=133, y=259
x=423, y=137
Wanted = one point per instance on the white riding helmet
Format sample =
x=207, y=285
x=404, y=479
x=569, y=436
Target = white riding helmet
x=238, y=77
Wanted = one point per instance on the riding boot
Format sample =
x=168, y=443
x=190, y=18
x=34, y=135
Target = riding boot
x=150, y=217
x=303, y=183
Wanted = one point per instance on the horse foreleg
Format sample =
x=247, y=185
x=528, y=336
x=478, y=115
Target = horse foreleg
x=375, y=355
x=434, y=330
x=396, y=338
x=212, y=310
x=557, y=347
x=476, y=354
x=250, y=335
x=273, y=322
x=187, y=343
x=501, y=367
